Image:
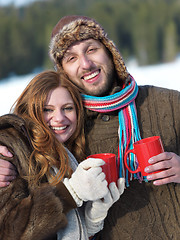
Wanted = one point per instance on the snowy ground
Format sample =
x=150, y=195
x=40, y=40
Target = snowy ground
x=10, y=89
x=163, y=75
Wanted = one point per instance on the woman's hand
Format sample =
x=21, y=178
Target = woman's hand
x=88, y=182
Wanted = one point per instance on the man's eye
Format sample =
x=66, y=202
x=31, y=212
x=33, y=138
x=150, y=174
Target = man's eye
x=71, y=59
x=92, y=49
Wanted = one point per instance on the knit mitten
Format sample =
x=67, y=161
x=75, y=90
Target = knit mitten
x=96, y=211
x=88, y=182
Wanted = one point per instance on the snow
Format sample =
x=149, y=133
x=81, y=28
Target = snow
x=10, y=89
x=16, y=3
x=162, y=75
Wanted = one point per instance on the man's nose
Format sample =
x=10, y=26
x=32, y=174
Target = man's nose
x=85, y=62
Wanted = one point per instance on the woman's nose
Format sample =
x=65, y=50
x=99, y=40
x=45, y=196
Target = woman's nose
x=58, y=116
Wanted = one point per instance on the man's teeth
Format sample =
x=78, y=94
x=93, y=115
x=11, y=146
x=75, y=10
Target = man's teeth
x=59, y=128
x=94, y=74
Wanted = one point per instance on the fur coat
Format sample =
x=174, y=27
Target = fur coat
x=28, y=213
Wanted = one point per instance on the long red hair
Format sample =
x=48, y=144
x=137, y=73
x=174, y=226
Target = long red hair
x=48, y=151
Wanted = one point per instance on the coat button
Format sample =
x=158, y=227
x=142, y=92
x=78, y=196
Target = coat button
x=105, y=118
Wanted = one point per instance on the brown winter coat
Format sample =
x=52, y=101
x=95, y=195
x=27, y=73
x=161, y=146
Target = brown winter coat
x=144, y=211
x=27, y=213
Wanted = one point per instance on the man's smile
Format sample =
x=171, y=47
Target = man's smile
x=91, y=76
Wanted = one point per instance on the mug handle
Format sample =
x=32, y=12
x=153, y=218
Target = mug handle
x=125, y=161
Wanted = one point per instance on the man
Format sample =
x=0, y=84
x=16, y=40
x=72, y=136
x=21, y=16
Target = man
x=147, y=209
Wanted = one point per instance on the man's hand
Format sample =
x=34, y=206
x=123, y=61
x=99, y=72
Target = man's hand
x=169, y=164
x=7, y=169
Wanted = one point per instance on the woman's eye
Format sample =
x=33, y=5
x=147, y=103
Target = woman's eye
x=47, y=110
x=68, y=108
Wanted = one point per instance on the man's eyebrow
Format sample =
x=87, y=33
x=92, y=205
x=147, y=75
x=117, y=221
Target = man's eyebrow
x=67, y=53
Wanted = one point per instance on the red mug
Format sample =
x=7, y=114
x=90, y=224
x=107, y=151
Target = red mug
x=110, y=167
x=144, y=150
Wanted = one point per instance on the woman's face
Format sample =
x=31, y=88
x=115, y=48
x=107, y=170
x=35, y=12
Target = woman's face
x=60, y=113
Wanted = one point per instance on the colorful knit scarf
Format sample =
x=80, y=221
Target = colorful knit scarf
x=128, y=132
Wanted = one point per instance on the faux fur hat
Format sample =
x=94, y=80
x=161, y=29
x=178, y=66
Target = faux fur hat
x=74, y=28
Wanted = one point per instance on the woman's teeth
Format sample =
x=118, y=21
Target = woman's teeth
x=59, y=128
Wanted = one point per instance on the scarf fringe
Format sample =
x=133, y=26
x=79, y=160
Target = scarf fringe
x=128, y=131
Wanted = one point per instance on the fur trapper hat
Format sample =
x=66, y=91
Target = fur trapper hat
x=74, y=28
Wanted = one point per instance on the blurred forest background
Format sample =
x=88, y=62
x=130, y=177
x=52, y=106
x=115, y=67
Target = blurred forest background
x=145, y=30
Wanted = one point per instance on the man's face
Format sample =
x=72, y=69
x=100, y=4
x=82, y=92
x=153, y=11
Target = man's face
x=88, y=64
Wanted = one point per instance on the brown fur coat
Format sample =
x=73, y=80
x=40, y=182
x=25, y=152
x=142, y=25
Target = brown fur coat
x=27, y=213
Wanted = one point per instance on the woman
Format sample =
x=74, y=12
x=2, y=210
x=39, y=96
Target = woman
x=45, y=196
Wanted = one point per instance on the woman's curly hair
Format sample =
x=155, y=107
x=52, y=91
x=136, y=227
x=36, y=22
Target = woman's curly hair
x=48, y=151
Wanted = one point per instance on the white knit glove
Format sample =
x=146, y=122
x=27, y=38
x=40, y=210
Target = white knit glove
x=96, y=211
x=88, y=182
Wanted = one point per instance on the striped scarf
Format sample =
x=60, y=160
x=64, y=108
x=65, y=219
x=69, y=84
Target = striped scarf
x=128, y=131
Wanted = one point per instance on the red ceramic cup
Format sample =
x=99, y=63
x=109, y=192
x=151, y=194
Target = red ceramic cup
x=144, y=150
x=110, y=167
